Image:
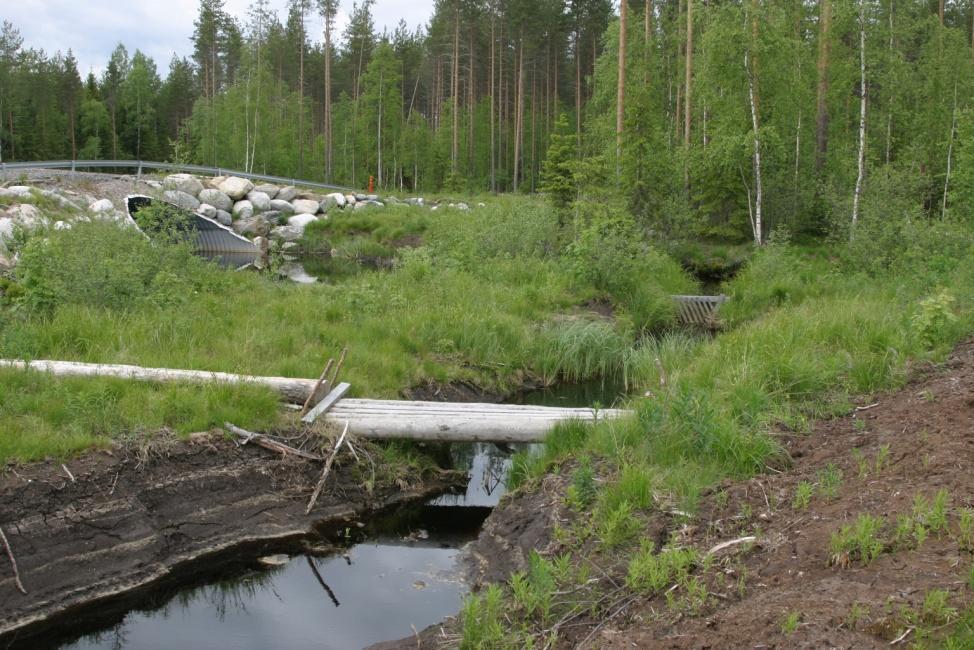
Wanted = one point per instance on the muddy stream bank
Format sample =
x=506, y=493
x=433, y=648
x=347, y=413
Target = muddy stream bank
x=129, y=556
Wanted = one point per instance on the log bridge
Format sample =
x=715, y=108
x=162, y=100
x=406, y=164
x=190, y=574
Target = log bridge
x=367, y=418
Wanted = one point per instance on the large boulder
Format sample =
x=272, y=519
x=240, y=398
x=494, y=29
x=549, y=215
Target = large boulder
x=101, y=206
x=260, y=200
x=214, y=182
x=184, y=183
x=335, y=199
x=252, y=226
x=182, y=199
x=217, y=199
x=223, y=217
x=276, y=217
x=300, y=221
x=269, y=189
x=350, y=199
x=302, y=206
x=16, y=191
x=6, y=230
x=243, y=210
x=287, y=193
x=207, y=210
x=26, y=216
x=287, y=233
x=236, y=188
x=282, y=206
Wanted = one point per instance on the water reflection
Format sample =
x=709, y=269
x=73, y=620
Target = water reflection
x=376, y=591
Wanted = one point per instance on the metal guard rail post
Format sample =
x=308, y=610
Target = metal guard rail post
x=139, y=165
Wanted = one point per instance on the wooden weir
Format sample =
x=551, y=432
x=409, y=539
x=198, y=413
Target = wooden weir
x=368, y=418
x=699, y=310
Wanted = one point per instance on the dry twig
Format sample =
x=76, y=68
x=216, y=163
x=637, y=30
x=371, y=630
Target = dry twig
x=13, y=562
x=324, y=472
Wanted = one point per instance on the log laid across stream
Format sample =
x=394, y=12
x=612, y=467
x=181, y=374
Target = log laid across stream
x=375, y=419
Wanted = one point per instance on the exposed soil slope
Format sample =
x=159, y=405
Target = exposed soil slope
x=917, y=441
x=137, y=515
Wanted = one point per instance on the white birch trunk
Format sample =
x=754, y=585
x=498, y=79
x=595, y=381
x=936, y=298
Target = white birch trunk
x=756, y=225
x=857, y=197
x=950, y=151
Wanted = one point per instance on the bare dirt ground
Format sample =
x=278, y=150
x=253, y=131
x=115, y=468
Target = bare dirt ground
x=128, y=519
x=790, y=589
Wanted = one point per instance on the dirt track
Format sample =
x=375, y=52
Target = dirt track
x=138, y=516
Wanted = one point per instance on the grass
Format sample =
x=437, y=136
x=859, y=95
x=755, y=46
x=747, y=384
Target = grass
x=488, y=300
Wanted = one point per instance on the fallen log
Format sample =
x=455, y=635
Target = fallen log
x=292, y=389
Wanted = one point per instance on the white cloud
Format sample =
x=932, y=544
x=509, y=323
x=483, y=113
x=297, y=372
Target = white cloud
x=159, y=28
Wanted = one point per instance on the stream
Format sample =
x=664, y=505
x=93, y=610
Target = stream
x=393, y=577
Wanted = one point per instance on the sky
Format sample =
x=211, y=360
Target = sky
x=92, y=28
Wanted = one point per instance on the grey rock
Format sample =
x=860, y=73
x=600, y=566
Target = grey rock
x=282, y=206
x=260, y=200
x=102, y=205
x=223, y=217
x=17, y=191
x=350, y=199
x=252, y=226
x=269, y=189
x=372, y=197
x=26, y=216
x=183, y=183
x=243, y=210
x=302, y=206
x=287, y=233
x=182, y=199
x=62, y=225
x=207, y=210
x=275, y=217
x=361, y=197
x=463, y=206
x=287, y=193
x=338, y=198
x=301, y=221
x=328, y=203
x=6, y=230
x=236, y=188
x=217, y=199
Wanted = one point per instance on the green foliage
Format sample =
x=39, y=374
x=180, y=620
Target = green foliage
x=617, y=526
x=651, y=572
x=99, y=264
x=790, y=624
x=861, y=541
x=557, y=173
x=934, y=315
x=582, y=489
x=803, y=495
x=481, y=622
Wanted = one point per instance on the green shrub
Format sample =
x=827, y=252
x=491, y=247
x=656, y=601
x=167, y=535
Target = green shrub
x=99, y=264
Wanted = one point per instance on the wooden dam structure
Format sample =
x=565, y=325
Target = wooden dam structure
x=366, y=418
x=325, y=399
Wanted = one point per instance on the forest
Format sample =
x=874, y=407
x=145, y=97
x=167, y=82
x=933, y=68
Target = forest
x=730, y=120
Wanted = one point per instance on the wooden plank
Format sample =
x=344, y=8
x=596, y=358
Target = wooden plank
x=327, y=402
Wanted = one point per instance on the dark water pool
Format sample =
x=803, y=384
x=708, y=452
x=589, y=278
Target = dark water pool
x=398, y=573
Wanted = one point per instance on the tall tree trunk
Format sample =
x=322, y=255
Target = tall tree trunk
x=455, y=90
x=471, y=88
x=328, y=143
x=757, y=220
x=621, y=86
x=950, y=150
x=519, y=112
x=821, y=111
x=889, y=109
x=378, y=135
x=688, y=83
x=578, y=95
x=493, y=150
x=857, y=196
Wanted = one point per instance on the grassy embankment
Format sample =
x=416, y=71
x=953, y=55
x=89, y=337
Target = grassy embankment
x=808, y=330
x=490, y=297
